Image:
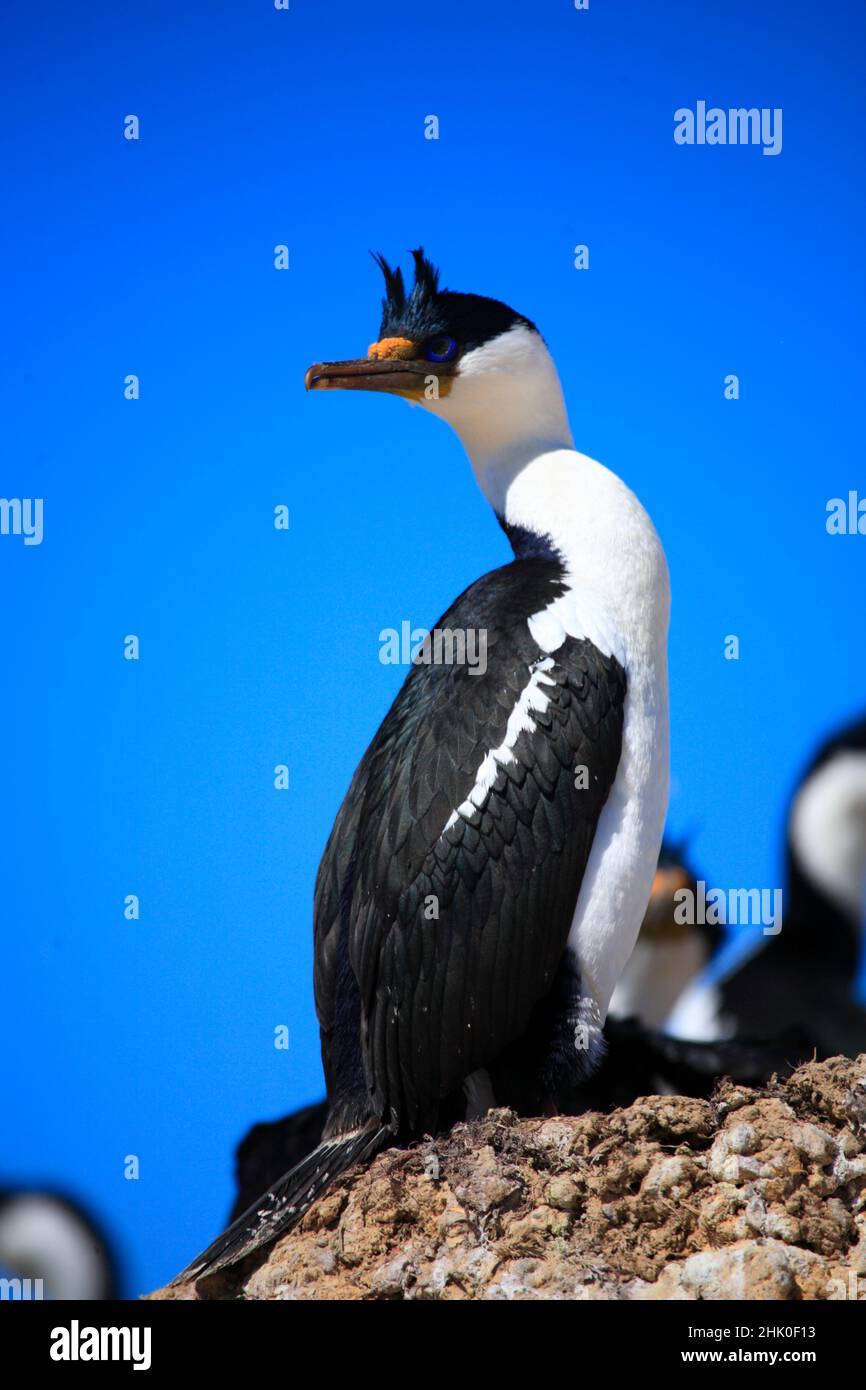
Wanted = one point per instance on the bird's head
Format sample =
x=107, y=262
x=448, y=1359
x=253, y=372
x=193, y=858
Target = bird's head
x=472, y=360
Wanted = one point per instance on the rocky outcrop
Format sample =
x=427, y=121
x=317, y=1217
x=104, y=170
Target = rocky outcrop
x=755, y=1194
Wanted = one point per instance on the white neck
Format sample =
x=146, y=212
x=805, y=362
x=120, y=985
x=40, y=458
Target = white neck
x=507, y=407
x=506, y=404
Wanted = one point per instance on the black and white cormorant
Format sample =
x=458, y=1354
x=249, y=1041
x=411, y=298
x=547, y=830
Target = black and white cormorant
x=526, y=802
x=50, y=1237
x=669, y=954
x=802, y=982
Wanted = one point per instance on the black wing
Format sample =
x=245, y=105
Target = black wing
x=449, y=936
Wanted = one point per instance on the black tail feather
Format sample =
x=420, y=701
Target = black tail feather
x=278, y=1209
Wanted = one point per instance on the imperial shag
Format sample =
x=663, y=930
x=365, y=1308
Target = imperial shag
x=670, y=955
x=527, y=802
x=801, y=984
x=52, y=1244
x=806, y=976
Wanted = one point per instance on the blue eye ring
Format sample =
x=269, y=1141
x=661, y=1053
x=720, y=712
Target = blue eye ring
x=440, y=349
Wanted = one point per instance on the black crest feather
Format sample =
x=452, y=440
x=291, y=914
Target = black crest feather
x=426, y=276
x=428, y=310
x=395, y=288
x=397, y=306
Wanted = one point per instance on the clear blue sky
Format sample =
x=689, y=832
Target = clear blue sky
x=260, y=647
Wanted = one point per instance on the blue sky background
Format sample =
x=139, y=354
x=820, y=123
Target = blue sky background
x=260, y=647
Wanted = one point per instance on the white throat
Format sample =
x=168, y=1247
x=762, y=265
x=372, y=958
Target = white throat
x=506, y=404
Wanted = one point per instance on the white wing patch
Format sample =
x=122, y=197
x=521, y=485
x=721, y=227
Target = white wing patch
x=532, y=698
x=575, y=614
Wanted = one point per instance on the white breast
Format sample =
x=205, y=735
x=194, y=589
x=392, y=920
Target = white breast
x=655, y=977
x=619, y=598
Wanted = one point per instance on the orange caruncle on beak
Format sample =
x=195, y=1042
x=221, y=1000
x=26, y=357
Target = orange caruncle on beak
x=391, y=364
x=396, y=348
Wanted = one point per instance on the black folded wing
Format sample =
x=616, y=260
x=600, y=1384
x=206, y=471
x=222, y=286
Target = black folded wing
x=440, y=923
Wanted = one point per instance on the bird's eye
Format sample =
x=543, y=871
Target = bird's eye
x=440, y=349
